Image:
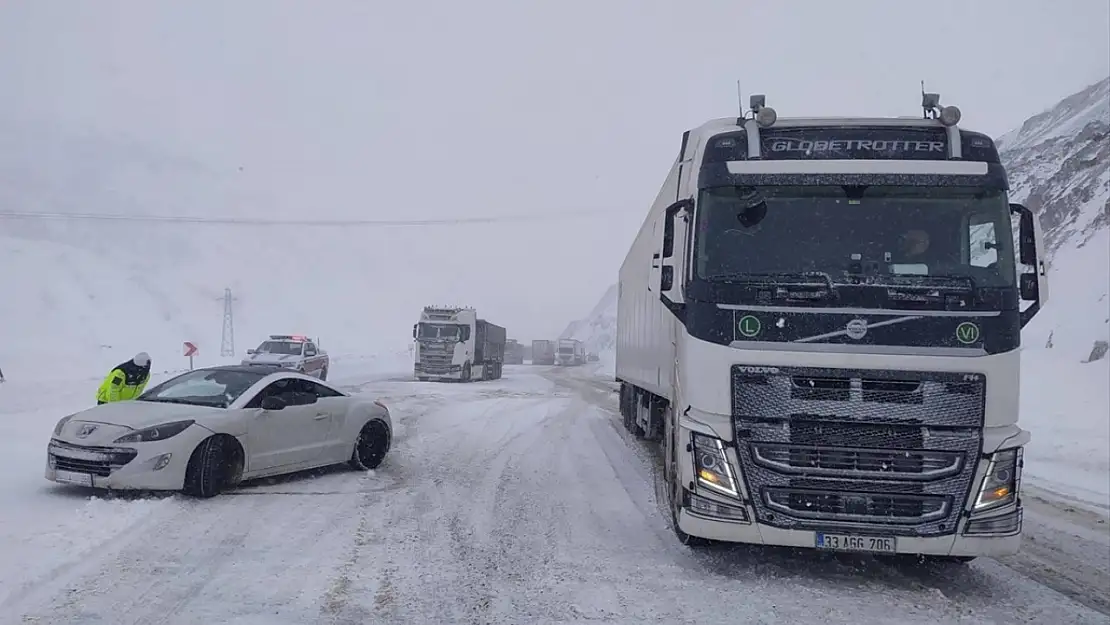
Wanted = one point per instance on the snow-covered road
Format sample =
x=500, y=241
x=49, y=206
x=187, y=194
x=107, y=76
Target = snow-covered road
x=515, y=501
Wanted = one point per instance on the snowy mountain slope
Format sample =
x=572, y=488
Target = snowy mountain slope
x=598, y=329
x=153, y=284
x=1058, y=163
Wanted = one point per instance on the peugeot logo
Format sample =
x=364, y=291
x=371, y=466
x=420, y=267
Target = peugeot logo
x=85, y=430
x=856, y=328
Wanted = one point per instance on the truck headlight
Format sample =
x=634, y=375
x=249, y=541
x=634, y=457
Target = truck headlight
x=712, y=467
x=1000, y=485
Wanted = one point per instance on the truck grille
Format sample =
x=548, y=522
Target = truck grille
x=880, y=451
x=99, y=461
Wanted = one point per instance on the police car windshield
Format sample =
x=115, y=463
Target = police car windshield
x=904, y=233
x=204, y=387
x=280, y=347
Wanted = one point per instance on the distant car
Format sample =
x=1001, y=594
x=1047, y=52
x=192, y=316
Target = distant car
x=291, y=351
x=209, y=429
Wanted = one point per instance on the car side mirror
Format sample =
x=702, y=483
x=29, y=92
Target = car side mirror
x=1030, y=287
x=273, y=403
x=252, y=351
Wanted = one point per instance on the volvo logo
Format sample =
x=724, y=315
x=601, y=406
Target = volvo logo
x=744, y=369
x=856, y=328
x=85, y=430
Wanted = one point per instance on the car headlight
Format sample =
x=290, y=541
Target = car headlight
x=712, y=467
x=156, y=433
x=1000, y=485
x=62, y=423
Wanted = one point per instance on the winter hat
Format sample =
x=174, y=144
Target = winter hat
x=142, y=359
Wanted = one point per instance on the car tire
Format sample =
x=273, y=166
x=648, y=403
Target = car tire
x=207, y=471
x=371, y=446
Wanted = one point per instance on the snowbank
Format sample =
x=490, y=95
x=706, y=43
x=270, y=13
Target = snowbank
x=1065, y=404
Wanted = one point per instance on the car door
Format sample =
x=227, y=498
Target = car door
x=336, y=444
x=288, y=437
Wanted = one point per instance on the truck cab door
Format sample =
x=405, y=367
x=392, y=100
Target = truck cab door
x=667, y=264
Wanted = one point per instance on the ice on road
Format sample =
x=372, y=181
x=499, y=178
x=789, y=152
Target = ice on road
x=515, y=501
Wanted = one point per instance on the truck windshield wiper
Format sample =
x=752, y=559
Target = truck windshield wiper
x=802, y=278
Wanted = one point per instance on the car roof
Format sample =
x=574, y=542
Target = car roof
x=262, y=370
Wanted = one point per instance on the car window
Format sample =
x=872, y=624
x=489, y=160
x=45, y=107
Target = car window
x=286, y=389
x=322, y=391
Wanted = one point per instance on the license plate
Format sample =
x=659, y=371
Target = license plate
x=73, y=477
x=849, y=542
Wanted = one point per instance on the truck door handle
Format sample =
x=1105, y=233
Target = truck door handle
x=320, y=416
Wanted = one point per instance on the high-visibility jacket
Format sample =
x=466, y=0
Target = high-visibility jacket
x=118, y=386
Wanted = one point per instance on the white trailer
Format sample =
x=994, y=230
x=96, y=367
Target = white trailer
x=819, y=319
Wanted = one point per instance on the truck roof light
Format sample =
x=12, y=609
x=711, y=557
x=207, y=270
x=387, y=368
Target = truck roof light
x=950, y=115
x=766, y=117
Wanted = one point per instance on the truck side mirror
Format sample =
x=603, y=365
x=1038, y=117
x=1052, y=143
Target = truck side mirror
x=1027, y=236
x=1030, y=287
x=414, y=329
x=251, y=351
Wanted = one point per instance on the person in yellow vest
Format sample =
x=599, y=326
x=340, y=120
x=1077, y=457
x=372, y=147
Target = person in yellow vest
x=126, y=381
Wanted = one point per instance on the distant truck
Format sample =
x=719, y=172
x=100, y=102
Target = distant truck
x=452, y=343
x=592, y=357
x=543, y=352
x=514, y=352
x=292, y=351
x=570, y=352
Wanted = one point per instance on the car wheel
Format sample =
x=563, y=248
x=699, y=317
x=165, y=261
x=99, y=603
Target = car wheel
x=207, y=472
x=371, y=446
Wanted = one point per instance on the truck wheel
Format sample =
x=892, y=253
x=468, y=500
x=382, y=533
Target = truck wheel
x=324, y=374
x=466, y=372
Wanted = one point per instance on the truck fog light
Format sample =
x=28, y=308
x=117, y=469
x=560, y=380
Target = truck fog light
x=708, y=507
x=1002, y=525
x=711, y=466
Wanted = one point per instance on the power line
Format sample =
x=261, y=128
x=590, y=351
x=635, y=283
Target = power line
x=318, y=223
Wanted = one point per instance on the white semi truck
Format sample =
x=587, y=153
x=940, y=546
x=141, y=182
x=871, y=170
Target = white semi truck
x=452, y=343
x=819, y=319
x=570, y=352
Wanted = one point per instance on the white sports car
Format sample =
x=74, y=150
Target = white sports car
x=209, y=429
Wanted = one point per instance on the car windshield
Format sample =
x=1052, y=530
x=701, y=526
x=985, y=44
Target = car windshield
x=439, y=331
x=904, y=234
x=280, y=347
x=216, y=388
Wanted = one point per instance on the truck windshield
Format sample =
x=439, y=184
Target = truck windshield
x=901, y=233
x=439, y=331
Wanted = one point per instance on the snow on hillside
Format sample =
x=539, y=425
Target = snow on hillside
x=80, y=295
x=1058, y=163
x=598, y=329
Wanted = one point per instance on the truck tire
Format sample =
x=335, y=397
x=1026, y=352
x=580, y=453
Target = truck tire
x=466, y=372
x=324, y=374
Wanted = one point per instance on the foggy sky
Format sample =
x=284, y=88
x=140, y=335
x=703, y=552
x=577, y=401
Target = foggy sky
x=510, y=107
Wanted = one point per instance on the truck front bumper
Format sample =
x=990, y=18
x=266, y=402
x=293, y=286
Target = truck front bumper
x=1006, y=539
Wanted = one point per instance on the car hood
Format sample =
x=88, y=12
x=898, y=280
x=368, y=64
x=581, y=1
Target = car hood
x=107, y=422
x=267, y=359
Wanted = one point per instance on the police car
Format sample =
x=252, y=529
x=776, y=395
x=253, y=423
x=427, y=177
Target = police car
x=291, y=351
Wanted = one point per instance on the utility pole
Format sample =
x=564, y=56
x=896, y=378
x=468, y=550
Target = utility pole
x=227, y=342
